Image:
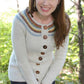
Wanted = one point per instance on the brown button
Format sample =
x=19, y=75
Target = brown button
x=42, y=53
x=45, y=46
x=37, y=63
x=40, y=58
x=45, y=37
x=45, y=27
x=37, y=72
x=37, y=79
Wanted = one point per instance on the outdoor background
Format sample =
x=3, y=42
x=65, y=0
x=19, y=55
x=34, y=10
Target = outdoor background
x=70, y=72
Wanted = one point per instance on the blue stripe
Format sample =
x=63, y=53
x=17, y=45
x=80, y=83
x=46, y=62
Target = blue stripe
x=28, y=29
x=51, y=34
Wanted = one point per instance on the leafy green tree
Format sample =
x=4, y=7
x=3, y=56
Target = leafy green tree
x=79, y=11
x=5, y=43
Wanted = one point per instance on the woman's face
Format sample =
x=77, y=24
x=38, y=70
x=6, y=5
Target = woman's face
x=46, y=7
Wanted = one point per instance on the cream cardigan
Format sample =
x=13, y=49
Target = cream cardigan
x=35, y=58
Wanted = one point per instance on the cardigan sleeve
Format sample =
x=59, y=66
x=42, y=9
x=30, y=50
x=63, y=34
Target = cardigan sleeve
x=56, y=66
x=18, y=42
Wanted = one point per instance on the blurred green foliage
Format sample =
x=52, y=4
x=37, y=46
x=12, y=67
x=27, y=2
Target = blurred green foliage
x=5, y=43
x=70, y=72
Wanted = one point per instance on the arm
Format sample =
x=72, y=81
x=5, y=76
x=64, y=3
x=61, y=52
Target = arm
x=18, y=41
x=55, y=68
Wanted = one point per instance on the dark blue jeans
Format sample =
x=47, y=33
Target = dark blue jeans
x=13, y=82
x=23, y=82
x=53, y=82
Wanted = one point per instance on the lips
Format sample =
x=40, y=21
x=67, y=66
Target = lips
x=45, y=9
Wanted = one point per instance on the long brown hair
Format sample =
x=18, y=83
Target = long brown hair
x=61, y=21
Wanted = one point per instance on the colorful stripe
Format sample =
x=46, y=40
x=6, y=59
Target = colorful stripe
x=32, y=25
x=51, y=30
x=39, y=26
x=26, y=26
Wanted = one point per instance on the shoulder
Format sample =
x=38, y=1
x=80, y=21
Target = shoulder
x=18, y=22
x=21, y=17
x=22, y=14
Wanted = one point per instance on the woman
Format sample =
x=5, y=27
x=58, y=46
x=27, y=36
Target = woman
x=40, y=41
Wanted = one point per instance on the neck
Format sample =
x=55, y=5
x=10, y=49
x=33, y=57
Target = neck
x=42, y=19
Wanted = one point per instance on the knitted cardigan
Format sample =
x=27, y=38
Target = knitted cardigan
x=35, y=58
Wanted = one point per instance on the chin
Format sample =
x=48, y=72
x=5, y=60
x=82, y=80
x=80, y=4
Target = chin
x=45, y=14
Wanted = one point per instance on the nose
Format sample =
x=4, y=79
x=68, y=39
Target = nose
x=45, y=2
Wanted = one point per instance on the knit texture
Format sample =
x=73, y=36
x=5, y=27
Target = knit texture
x=34, y=59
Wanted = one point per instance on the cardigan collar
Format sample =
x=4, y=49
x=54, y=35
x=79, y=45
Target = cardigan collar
x=33, y=24
x=37, y=24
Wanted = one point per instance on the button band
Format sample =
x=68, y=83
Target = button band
x=45, y=37
x=45, y=27
x=37, y=79
x=40, y=58
x=45, y=46
x=42, y=53
x=37, y=72
x=37, y=63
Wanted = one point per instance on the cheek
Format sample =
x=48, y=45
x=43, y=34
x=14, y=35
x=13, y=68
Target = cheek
x=37, y=3
x=54, y=5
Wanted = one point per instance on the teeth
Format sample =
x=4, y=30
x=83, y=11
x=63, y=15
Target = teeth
x=45, y=8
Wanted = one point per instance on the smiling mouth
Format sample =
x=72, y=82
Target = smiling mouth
x=45, y=9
